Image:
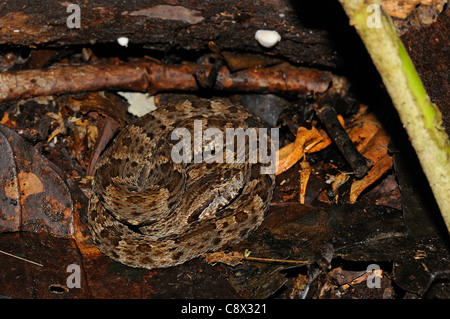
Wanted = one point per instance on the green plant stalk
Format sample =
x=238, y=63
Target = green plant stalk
x=420, y=117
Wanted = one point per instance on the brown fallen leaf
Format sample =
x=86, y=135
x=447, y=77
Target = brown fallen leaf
x=306, y=141
x=36, y=196
x=305, y=172
x=295, y=232
x=338, y=181
x=378, y=170
x=6, y=120
x=60, y=129
x=292, y=153
x=107, y=104
x=109, y=110
x=364, y=125
x=372, y=141
x=231, y=259
x=348, y=279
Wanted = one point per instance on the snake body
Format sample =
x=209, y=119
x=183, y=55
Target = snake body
x=148, y=211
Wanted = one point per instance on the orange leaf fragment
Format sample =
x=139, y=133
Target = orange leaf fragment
x=378, y=170
x=326, y=139
x=231, y=259
x=372, y=141
x=292, y=153
x=304, y=178
x=306, y=141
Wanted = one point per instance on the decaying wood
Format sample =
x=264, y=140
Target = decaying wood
x=177, y=24
x=183, y=24
x=155, y=77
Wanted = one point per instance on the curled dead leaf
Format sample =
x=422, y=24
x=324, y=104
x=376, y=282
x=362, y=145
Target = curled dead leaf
x=306, y=141
x=233, y=258
x=36, y=195
x=292, y=153
x=372, y=141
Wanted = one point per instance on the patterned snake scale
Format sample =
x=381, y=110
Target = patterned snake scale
x=147, y=211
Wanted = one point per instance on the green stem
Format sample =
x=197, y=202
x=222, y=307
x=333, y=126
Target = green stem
x=420, y=117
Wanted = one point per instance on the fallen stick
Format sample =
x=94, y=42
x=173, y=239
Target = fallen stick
x=154, y=77
x=327, y=115
x=21, y=258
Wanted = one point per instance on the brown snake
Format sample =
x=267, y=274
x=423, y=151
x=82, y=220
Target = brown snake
x=147, y=211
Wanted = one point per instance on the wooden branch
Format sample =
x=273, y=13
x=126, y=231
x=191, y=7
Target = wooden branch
x=155, y=77
x=327, y=115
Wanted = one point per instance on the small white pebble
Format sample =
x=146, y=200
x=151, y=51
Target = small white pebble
x=123, y=41
x=267, y=38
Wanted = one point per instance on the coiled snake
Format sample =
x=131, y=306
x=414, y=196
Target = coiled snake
x=148, y=211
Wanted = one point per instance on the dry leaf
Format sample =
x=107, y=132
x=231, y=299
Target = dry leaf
x=60, y=129
x=7, y=121
x=36, y=196
x=305, y=172
x=231, y=259
x=372, y=142
x=292, y=153
x=378, y=170
x=306, y=141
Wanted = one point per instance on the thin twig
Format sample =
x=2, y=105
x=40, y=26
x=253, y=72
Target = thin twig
x=29, y=261
x=283, y=261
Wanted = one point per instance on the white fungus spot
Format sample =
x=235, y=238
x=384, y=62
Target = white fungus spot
x=267, y=38
x=123, y=41
x=139, y=103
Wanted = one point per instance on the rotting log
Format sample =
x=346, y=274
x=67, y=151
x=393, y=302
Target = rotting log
x=164, y=26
